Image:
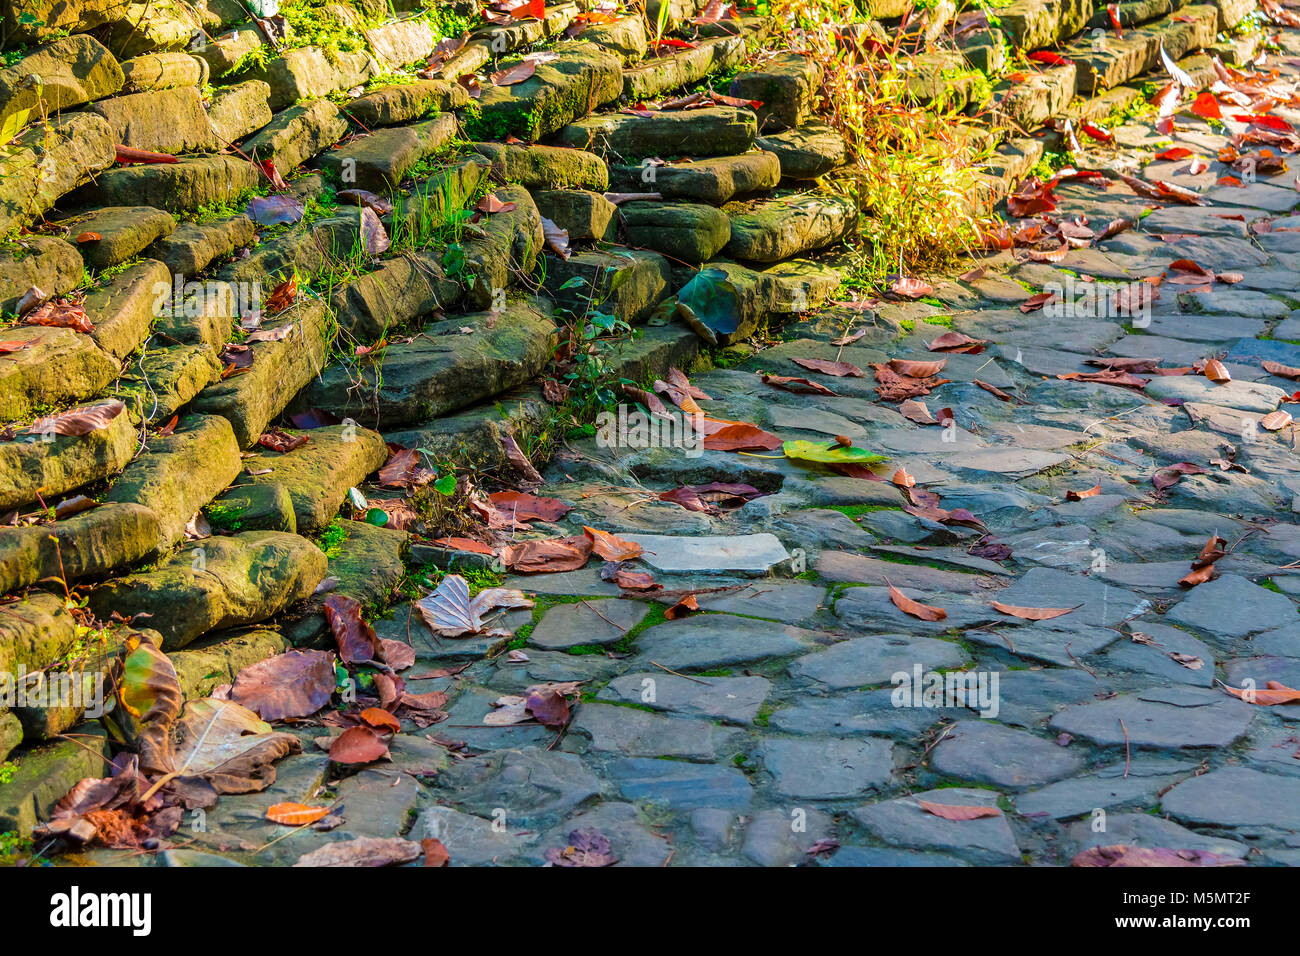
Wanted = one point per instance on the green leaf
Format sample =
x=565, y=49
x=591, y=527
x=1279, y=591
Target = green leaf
x=830, y=454
x=573, y=283
x=13, y=124
x=377, y=517
x=445, y=485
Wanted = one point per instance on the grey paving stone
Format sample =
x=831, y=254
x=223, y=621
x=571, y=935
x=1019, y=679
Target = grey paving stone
x=863, y=661
x=827, y=769
x=749, y=553
x=901, y=822
x=1162, y=718
x=678, y=785
x=586, y=622
x=1231, y=606
x=985, y=752
x=733, y=699
x=705, y=642
x=636, y=733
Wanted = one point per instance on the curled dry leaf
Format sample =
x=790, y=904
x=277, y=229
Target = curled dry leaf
x=525, y=507
x=1273, y=694
x=627, y=579
x=1280, y=370
x=994, y=391
x=294, y=684
x=687, y=605
x=363, y=851
x=915, y=369
x=1033, y=613
x=1275, y=421
x=78, y=421
x=451, y=612
x=556, y=238
x=792, y=383
x=916, y=609
x=1214, y=550
x=1092, y=492
x=952, y=812
x=1216, y=372
x=957, y=342
x=356, y=640
x=611, y=548
x=827, y=367
x=548, y=556
x=1169, y=476
x=61, y=314
x=1127, y=855
x=381, y=719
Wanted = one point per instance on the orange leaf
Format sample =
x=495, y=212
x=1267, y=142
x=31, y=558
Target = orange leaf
x=1199, y=576
x=1207, y=107
x=903, y=479
x=295, y=814
x=611, y=548
x=435, y=854
x=1033, y=613
x=915, y=608
x=1274, y=693
x=1216, y=373
x=1080, y=495
x=687, y=605
x=376, y=717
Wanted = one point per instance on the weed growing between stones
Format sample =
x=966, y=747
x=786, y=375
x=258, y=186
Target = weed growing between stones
x=910, y=167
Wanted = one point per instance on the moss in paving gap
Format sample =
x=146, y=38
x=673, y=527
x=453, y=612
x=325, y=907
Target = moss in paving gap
x=895, y=558
x=1270, y=585
x=764, y=715
x=856, y=511
x=331, y=538
x=225, y=517
x=654, y=615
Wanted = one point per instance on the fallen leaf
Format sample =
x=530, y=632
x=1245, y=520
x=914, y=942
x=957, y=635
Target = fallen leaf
x=358, y=745
x=687, y=605
x=78, y=421
x=1127, y=855
x=915, y=608
x=548, y=556
x=953, y=812
x=363, y=851
x=1033, y=613
x=740, y=436
x=1273, y=694
x=293, y=684
x=450, y=611
x=1275, y=421
x=827, y=367
x=1092, y=492
x=611, y=548
x=295, y=814
x=791, y=383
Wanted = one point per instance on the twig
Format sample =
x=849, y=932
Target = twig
x=686, y=676
x=1128, y=756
